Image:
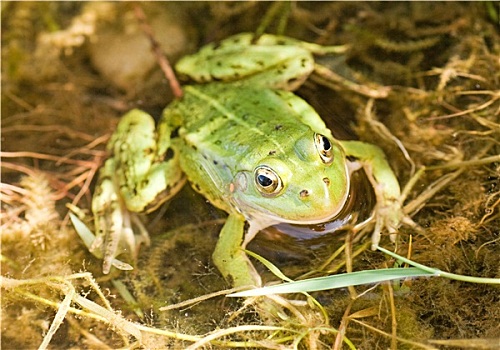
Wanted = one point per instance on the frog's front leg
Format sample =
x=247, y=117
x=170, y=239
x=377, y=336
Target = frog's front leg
x=229, y=256
x=388, y=211
x=142, y=172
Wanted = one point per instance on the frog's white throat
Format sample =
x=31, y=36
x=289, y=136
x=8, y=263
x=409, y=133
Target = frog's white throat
x=260, y=220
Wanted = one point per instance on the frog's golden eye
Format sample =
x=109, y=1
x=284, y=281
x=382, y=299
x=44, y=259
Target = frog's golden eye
x=324, y=147
x=267, y=181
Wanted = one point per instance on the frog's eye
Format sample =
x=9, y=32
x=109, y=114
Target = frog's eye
x=324, y=147
x=267, y=181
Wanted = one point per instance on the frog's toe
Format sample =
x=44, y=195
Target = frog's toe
x=127, y=238
x=390, y=218
x=377, y=233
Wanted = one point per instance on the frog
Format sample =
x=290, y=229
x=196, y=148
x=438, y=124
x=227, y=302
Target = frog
x=246, y=142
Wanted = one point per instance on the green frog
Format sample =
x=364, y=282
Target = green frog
x=248, y=144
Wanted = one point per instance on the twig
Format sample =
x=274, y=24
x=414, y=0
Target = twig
x=156, y=48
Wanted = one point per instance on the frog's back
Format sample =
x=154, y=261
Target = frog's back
x=237, y=124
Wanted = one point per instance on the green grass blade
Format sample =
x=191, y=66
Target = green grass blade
x=337, y=281
x=449, y=275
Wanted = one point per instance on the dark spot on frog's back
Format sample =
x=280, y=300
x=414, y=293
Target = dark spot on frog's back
x=174, y=133
x=278, y=127
x=169, y=154
x=271, y=153
x=276, y=92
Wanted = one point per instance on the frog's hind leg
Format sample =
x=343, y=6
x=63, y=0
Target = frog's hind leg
x=142, y=173
x=146, y=167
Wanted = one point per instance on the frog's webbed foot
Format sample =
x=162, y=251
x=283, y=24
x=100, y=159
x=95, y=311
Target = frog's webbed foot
x=123, y=238
x=389, y=215
x=114, y=223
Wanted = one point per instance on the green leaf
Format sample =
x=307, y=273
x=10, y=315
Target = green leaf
x=337, y=281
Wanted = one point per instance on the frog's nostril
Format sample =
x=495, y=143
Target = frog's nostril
x=304, y=193
x=326, y=181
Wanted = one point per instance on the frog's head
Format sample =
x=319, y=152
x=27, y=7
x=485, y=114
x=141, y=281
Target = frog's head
x=308, y=184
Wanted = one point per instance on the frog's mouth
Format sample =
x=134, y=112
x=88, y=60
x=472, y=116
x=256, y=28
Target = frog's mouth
x=259, y=219
x=262, y=217
x=300, y=221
